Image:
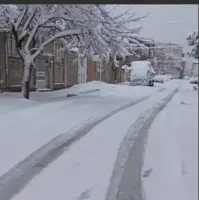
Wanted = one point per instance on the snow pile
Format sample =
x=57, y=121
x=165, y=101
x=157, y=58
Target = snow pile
x=124, y=83
x=171, y=153
x=126, y=67
x=60, y=94
x=98, y=88
x=162, y=78
x=8, y=104
x=193, y=79
x=186, y=77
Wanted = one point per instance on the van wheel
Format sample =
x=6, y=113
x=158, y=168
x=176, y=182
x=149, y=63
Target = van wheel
x=151, y=83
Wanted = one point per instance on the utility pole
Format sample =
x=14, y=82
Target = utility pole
x=100, y=69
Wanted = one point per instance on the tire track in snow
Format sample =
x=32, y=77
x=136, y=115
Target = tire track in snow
x=13, y=181
x=125, y=183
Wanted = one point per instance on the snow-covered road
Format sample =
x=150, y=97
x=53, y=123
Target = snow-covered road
x=172, y=150
x=27, y=169
x=26, y=130
x=94, y=167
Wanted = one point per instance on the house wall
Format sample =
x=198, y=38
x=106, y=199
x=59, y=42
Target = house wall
x=91, y=70
x=110, y=74
x=44, y=66
x=107, y=73
x=59, y=73
x=2, y=61
x=11, y=67
x=71, y=70
x=15, y=74
x=129, y=59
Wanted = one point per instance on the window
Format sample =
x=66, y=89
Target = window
x=12, y=49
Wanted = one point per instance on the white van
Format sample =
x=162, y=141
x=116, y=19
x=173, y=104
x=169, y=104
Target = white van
x=142, y=73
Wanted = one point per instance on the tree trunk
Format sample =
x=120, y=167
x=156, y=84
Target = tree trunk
x=82, y=66
x=26, y=80
x=82, y=69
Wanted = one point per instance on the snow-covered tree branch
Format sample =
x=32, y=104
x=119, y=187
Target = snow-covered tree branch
x=91, y=28
x=193, y=41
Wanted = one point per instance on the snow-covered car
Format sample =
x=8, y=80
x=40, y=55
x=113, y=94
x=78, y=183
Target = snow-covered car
x=142, y=73
x=193, y=80
x=162, y=78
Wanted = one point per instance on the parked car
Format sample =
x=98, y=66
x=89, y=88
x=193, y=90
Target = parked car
x=162, y=78
x=142, y=73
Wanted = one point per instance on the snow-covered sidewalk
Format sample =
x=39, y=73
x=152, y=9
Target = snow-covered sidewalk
x=96, y=88
x=8, y=105
x=86, y=168
x=171, y=155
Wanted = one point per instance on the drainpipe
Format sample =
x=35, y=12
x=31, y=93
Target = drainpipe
x=53, y=66
x=6, y=59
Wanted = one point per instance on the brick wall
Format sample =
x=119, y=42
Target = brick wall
x=15, y=74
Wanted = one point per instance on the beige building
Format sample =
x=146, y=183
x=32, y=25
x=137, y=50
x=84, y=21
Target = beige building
x=53, y=69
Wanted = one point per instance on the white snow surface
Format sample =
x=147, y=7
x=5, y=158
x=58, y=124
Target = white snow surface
x=27, y=125
x=139, y=69
x=193, y=79
x=162, y=78
x=87, y=166
x=172, y=150
x=105, y=90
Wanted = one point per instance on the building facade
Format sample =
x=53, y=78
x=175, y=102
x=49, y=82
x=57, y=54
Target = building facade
x=169, y=58
x=53, y=69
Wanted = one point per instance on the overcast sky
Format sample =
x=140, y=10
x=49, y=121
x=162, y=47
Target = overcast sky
x=166, y=23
